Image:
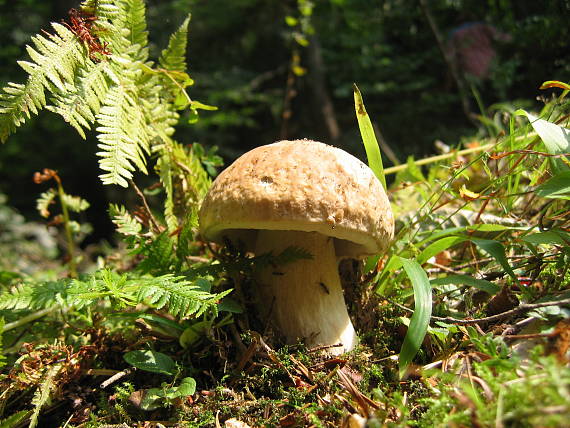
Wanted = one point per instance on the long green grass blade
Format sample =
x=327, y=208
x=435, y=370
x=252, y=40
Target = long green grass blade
x=480, y=284
x=438, y=246
x=422, y=313
x=368, y=138
x=151, y=361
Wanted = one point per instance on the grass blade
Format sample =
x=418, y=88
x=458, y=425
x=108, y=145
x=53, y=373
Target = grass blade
x=438, y=246
x=368, y=138
x=480, y=284
x=422, y=313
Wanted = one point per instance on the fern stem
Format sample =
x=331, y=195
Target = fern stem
x=68, y=233
x=152, y=220
x=29, y=318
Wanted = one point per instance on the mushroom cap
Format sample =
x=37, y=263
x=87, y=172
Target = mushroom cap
x=300, y=185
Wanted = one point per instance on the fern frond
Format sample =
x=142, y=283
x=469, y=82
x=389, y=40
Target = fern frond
x=126, y=224
x=42, y=396
x=125, y=30
x=181, y=173
x=82, y=101
x=186, y=238
x=181, y=297
x=159, y=256
x=55, y=58
x=44, y=201
x=132, y=103
x=57, y=55
x=35, y=295
x=123, y=136
x=75, y=203
x=164, y=168
x=161, y=117
x=173, y=58
x=101, y=8
x=136, y=22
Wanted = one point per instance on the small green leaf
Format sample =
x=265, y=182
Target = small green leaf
x=187, y=387
x=75, y=203
x=194, y=333
x=151, y=361
x=230, y=305
x=198, y=105
x=152, y=399
x=291, y=21
x=420, y=319
x=556, y=138
x=368, y=138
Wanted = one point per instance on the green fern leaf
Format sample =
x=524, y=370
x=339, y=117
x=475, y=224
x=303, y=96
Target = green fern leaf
x=44, y=201
x=136, y=22
x=101, y=8
x=82, y=101
x=54, y=61
x=159, y=256
x=183, y=298
x=18, y=297
x=132, y=103
x=126, y=224
x=123, y=136
x=35, y=295
x=186, y=238
x=124, y=29
x=75, y=203
x=42, y=396
x=173, y=58
x=164, y=168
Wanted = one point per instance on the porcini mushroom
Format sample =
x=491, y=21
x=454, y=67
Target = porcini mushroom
x=309, y=195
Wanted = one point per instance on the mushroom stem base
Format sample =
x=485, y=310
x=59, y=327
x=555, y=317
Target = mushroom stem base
x=304, y=298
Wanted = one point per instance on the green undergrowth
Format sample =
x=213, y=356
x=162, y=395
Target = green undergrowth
x=462, y=322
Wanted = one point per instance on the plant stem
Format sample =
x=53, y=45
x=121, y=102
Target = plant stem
x=29, y=318
x=68, y=233
x=437, y=158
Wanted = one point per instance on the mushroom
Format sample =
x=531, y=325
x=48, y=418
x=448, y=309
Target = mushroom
x=308, y=195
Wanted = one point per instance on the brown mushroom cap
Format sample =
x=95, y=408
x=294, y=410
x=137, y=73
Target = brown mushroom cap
x=300, y=185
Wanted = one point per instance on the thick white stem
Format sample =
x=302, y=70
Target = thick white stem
x=304, y=298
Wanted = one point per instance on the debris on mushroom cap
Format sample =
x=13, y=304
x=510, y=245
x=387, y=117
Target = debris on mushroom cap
x=300, y=185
